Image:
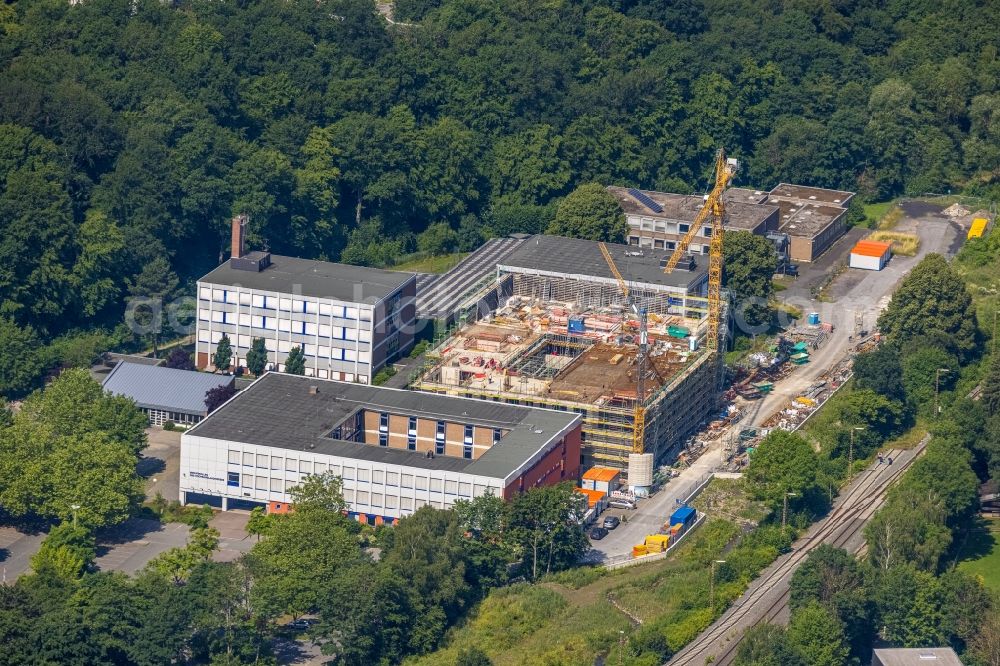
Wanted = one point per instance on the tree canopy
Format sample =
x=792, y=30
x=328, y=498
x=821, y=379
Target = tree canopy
x=931, y=300
x=590, y=212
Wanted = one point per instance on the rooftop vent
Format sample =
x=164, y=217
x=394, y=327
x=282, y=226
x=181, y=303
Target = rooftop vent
x=313, y=390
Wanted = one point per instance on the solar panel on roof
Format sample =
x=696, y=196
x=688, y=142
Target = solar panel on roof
x=644, y=199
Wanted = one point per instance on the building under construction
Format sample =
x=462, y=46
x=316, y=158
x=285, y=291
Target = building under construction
x=565, y=336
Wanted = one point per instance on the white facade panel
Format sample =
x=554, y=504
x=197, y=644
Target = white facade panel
x=239, y=471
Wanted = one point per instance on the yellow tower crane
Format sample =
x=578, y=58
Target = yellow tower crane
x=639, y=413
x=714, y=208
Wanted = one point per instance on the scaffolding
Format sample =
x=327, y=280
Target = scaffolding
x=569, y=343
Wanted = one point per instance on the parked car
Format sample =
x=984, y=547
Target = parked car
x=598, y=533
x=621, y=504
x=302, y=624
x=611, y=522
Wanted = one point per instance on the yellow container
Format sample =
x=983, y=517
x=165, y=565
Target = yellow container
x=639, y=550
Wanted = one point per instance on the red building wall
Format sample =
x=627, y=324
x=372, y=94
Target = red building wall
x=561, y=463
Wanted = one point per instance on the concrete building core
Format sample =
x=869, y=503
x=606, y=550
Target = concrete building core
x=566, y=338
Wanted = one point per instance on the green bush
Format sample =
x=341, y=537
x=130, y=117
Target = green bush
x=419, y=348
x=383, y=375
x=169, y=426
x=197, y=516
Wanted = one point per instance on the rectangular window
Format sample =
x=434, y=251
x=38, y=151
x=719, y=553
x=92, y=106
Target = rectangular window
x=244, y=298
x=248, y=459
x=204, y=293
x=247, y=480
x=257, y=301
x=291, y=465
x=497, y=434
x=376, y=500
x=406, y=480
x=378, y=476
x=467, y=451
x=383, y=422
x=411, y=442
x=262, y=461
x=683, y=228
x=234, y=457
x=363, y=475
x=262, y=483
x=412, y=425
x=468, y=435
x=383, y=439
x=420, y=483
x=233, y=479
x=276, y=462
x=306, y=467
x=277, y=486
x=392, y=478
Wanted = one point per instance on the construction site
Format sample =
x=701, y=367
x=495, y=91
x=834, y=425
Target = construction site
x=627, y=338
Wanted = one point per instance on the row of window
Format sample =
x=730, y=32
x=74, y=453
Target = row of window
x=660, y=244
x=285, y=325
x=287, y=304
x=285, y=346
x=350, y=474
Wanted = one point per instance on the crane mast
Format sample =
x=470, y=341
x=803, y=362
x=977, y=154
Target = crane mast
x=713, y=207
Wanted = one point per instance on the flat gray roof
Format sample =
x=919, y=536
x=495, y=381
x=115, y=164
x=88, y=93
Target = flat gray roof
x=744, y=208
x=818, y=194
x=167, y=389
x=310, y=277
x=278, y=410
x=806, y=220
x=917, y=657
x=578, y=258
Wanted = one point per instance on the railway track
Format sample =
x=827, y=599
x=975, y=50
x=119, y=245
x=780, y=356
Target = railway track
x=767, y=597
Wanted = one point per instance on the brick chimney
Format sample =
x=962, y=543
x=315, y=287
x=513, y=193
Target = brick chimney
x=239, y=236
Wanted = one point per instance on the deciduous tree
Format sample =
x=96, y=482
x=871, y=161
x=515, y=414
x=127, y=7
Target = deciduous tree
x=590, y=212
x=295, y=363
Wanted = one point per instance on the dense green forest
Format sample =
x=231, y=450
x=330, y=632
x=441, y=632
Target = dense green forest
x=133, y=129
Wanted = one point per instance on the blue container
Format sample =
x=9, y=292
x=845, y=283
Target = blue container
x=813, y=318
x=576, y=325
x=683, y=516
